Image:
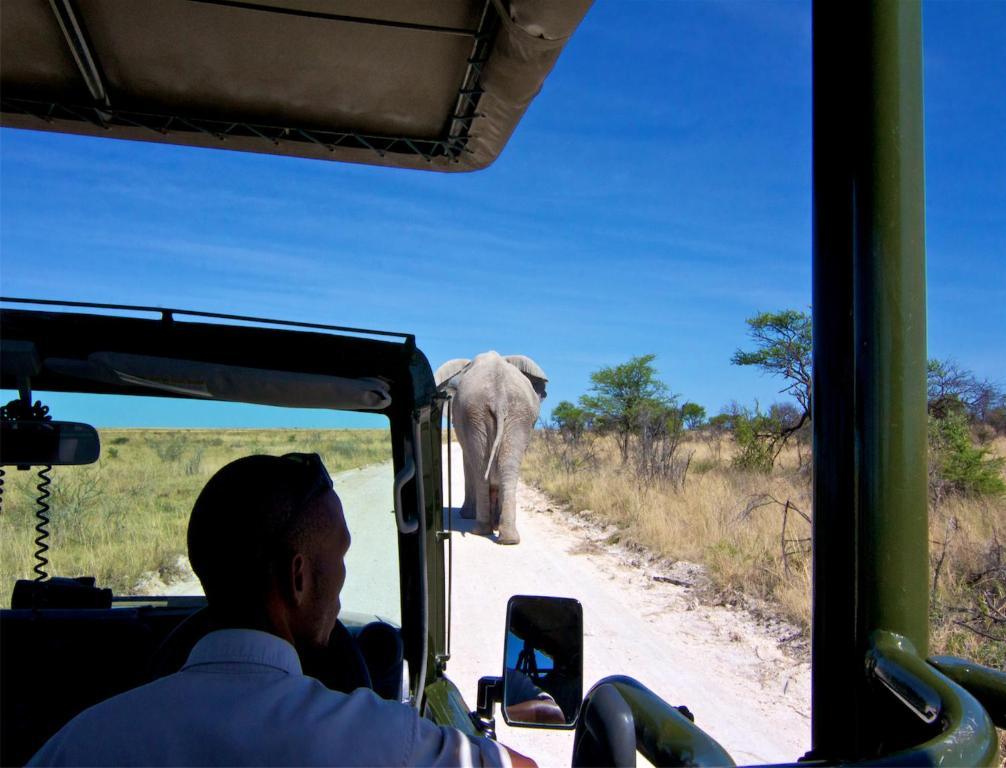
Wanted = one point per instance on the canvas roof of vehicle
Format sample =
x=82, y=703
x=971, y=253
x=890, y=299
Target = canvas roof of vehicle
x=438, y=85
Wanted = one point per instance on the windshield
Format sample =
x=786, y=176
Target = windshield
x=123, y=520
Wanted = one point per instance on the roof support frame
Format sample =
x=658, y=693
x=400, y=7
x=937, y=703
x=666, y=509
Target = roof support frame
x=403, y=25
x=466, y=105
x=80, y=49
x=224, y=129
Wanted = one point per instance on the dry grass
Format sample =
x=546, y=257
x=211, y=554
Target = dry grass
x=127, y=514
x=732, y=522
x=967, y=552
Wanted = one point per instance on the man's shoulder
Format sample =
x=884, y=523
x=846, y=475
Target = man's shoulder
x=88, y=731
x=362, y=703
x=289, y=720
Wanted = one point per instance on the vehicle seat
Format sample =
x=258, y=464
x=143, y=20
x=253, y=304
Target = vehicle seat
x=384, y=654
x=56, y=662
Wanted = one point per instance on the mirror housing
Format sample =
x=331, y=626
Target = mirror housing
x=542, y=684
x=27, y=443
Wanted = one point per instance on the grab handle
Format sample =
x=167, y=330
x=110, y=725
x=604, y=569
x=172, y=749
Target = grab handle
x=406, y=473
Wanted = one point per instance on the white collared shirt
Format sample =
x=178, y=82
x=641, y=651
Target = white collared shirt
x=242, y=699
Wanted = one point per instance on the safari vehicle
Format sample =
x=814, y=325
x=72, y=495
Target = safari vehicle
x=446, y=84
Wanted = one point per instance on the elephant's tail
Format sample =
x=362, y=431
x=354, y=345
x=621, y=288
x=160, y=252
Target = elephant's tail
x=500, y=417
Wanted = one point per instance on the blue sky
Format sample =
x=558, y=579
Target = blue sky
x=656, y=194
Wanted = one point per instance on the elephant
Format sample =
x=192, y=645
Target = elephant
x=496, y=403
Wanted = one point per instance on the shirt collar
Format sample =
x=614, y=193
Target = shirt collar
x=245, y=646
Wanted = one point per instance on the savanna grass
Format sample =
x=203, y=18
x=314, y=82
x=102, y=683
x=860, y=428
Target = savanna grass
x=732, y=522
x=127, y=515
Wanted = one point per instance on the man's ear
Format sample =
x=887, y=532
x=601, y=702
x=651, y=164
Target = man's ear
x=298, y=578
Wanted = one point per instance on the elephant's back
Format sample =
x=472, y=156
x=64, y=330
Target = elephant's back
x=492, y=382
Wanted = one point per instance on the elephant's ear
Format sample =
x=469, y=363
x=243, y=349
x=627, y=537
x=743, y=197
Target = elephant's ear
x=532, y=370
x=449, y=370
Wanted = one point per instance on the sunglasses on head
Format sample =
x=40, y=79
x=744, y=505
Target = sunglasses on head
x=321, y=481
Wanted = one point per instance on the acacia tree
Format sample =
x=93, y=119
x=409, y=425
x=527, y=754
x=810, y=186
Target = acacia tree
x=951, y=389
x=693, y=415
x=570, y=420
x=784, y=349
x=621, y=396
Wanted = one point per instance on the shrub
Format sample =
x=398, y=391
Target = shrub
x=956, y=464
x=570, y=420
x=658, y=454
x=754, y=452
x=194, y=464
x=168, y=449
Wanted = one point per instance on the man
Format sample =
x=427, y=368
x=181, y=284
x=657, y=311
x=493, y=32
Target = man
x=268, y=540
x=527, y=703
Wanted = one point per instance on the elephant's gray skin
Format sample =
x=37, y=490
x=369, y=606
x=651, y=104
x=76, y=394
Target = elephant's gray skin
x=496, y=403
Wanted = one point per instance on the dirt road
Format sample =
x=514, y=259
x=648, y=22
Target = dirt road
x=725, y=666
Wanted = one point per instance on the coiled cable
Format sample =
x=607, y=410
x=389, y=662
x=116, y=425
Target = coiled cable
x=42, y=513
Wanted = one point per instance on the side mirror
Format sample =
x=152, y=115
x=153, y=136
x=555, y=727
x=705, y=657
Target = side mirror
x=26, y=443
x=543, y=662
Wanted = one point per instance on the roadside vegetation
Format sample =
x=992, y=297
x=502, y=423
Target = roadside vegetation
x=733, y=491
x=126, y=516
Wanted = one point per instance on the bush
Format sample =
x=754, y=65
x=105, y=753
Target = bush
x=570, y=439
x=194, y=463
x=761, y=437
x=570, y=420
x=956, y=464
x=657, y=454
x=168, y=448
x=754, y=452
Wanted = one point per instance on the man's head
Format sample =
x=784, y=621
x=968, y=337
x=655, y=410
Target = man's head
x=267, y=539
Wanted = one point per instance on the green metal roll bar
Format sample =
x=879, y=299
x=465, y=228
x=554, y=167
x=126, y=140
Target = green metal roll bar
x=986, y=685
x=960, y=730
x=636, y=719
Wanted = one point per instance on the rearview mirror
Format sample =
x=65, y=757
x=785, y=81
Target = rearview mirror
x=543, y=662
x=36, y=443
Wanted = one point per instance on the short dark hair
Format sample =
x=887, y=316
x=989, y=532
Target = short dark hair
x=252, y=514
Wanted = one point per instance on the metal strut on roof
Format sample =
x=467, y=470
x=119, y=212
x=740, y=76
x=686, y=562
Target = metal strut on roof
x=80, y=49
x=224, y=130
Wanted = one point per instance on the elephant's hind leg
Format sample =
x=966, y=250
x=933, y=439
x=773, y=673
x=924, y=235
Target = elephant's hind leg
x=508, y=514
x=471, y=494
x=494, y=506
x=508, y=478
x=483, y=512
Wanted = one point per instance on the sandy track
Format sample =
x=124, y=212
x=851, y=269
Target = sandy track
x=722, y=663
